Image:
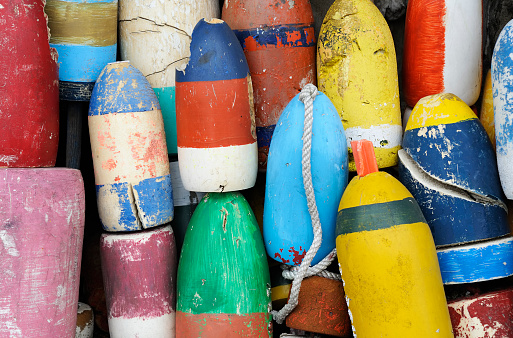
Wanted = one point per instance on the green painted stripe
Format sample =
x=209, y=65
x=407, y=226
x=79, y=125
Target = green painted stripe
x=166, y=96
x=378, y=216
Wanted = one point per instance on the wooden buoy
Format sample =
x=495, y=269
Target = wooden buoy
x=279, y=43
x=29, y=132
x=85, y=321
x=448, y=164
x=483, y=316
x=443, y=49
x=139, y=274
x=280, y=286
x=357, y=70
x=155, y=37
x=42, y=214
x=502, y=84
x=486, y=115
x=217, y=145
x=388, y=261
x=288, y=235
x=477, y=262
x=131, y=167
x=84, y=33
x=223, y=278
x=321, y=308
x=185, y=202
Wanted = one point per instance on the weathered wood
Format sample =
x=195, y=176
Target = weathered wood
x=288, y=235
x=139, y=274
x=449, y=165
x=85, y=321
x=223, y=277
x=42, y=215
x=279, y=43
x=29, y=132
x=443, y=49
x=357, y=70
x=217, y=145
x=155, y=37
x=128, y=144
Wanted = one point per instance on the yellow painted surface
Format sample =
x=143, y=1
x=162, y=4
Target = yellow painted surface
x=280, y=292
x=373, y=188
x=438, y=109
x=357, y=70
x=393, y=284
x=487, y=115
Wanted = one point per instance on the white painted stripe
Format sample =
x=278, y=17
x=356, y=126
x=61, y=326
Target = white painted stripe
x=218, y=169
x=463, y=39
x=181, y=196
x=109, y=238
x=162, y=327
x=381, y=136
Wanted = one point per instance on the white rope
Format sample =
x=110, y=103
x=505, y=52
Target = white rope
x=307, y=96
x=319, y=269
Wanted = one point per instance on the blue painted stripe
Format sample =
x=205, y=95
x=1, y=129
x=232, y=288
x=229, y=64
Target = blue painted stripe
x=292, y=35
x=154, y=200
x=127, y=220
x=478, y=262
x=79, y=63
x=166, y=97
x=216, y=54
x=454, y=220
x=122, y=88
x=458, y=153
x=264, y=135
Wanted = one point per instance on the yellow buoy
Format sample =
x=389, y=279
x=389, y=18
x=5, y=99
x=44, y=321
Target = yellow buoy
x=486, y=114
x=357, y=70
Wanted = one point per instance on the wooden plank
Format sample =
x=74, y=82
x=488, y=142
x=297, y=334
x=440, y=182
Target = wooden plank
x=42, y=214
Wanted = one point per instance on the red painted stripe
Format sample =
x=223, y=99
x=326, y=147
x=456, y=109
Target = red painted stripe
x=424, y=49
x=216, y=325
x=212, y=114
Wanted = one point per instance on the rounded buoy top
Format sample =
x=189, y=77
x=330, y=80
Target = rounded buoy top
x=376, y=201
x=216, y=54
x=122, y=88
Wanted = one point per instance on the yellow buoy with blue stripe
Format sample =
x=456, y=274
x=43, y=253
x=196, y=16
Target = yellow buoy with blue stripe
x=387, y=258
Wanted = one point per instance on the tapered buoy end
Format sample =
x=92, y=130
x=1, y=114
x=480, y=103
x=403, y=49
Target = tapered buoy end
x=364, y=157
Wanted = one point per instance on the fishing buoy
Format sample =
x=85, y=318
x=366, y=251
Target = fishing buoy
x=131, y=167
x=85, y=321
x=387, y=258
x=139, y=274
x=279, y=43
x=486, y=114
x=406, y=116
x=223, y=277
x=502, y=84
x=448, y=164
x=280, y=286
x=483, y=316
x=321, y=308
x=42, y=214
x=29, y=132
x=357, y=70
x=155, y=37
x=443, y=49
x=217, y=145
x=84, y=33
x=288, y=235
x=185, y=202
x=477, y=262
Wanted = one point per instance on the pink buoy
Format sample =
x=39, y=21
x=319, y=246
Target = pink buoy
x=41, y=232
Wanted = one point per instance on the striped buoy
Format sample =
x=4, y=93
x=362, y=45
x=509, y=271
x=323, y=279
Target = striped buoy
x=288, y=235
x=139, y=274
x=486, y=115
x=84, y=33
x=477, y=262
x=223, y=276
x=357, y=70
x=387, y=259
x=502, y=84
x=279, y=43
x=280, y=286
x=449, y=166
x=217, y=146
x=131, y=167
x=29, y=132
x=155, y=37
x=42, y=213
x=85, y=321
x=484, y=315
x=443, y=49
